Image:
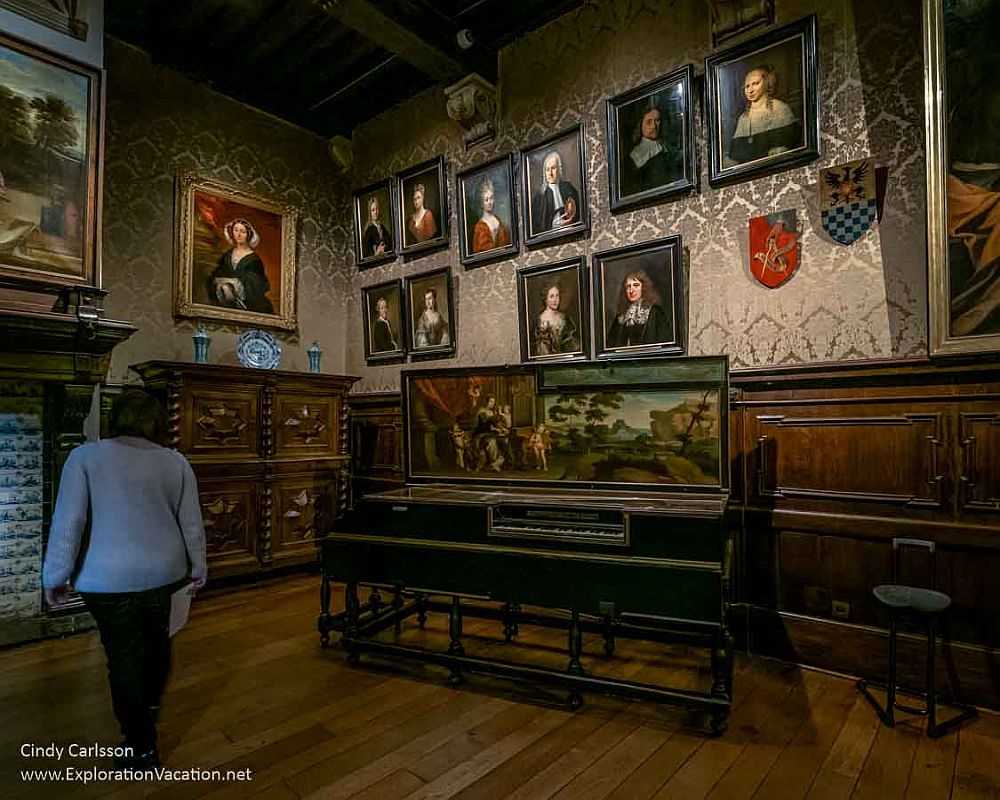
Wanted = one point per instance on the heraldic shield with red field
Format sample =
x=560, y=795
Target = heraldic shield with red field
x=848, y=203
x=774, y=248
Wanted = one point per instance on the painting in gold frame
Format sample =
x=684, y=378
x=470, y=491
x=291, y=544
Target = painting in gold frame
x=50, y=177
x=962, y=98
x=235, y=255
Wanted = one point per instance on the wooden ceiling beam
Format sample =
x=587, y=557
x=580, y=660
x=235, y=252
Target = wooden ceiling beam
x=398, y=35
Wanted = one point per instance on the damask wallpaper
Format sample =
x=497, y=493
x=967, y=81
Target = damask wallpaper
x=160, y=124
x=866, y=301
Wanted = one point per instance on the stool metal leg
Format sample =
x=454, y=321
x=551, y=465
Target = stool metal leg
x=890, y=697
x=931, y=683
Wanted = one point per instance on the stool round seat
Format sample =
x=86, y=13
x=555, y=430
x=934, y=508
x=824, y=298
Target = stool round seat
x=911, y=598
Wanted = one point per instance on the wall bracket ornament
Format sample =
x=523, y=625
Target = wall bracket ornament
x=472, y=103
x=341, y=150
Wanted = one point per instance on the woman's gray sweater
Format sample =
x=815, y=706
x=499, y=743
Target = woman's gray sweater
x=146, y=526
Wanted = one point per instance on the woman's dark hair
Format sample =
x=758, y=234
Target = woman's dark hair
x=135, y=412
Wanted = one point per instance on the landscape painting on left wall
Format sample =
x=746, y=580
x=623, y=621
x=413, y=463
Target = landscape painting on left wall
x=50, y=114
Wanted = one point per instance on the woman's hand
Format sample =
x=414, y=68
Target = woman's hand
x=59, y=596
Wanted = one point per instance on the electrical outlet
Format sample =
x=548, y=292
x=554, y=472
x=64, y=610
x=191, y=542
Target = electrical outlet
x=841, y=609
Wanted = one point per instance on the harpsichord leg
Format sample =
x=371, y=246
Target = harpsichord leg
x=575, y=667
x=455, y=647
x=609, y=635
x=722, y=677
x=397, y=604
x=421, y=603
x=324, y=612
x=375, y=600
x=352, y=613
x=510, y=612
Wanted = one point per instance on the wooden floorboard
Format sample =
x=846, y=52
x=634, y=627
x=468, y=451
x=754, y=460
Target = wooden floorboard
x=252, y=689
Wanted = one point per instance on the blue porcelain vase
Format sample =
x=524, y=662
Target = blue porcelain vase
x=315, y=354
x=201, y=342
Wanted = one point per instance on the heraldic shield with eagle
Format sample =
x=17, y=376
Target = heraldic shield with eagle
x=848, y=202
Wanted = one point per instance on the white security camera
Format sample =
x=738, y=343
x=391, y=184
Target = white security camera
x=464, y=37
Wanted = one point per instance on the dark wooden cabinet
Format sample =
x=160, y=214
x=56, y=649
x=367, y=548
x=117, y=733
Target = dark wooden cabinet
x=271, y=453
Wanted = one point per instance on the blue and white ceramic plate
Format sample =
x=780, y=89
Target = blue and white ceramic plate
x=258, y=349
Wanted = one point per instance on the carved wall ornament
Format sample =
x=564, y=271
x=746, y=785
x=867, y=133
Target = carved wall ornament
x=472, y=103
x=341, y=150
x=732, y=17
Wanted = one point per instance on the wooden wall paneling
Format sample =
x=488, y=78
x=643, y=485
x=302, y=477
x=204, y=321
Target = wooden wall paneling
x=875, y=453
x=979, y=458
x=841, y=459
x=964, y=672
x=818, y=571
x=970, y=578
x=376, y=425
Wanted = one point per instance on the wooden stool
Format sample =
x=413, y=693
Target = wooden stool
x=926, y=606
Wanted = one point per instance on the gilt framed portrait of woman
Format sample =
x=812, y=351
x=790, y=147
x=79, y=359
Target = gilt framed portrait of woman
x=384, y=315
x=375, y=239
x=651, y=151
x=553, y=312
x=431, y=314
x=762, y=104
x=554, y=195
x=639, y=300
x=235, y=255
x=487, y=218
x=422, y=207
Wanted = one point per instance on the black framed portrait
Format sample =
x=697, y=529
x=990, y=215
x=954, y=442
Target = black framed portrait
x=431, y=311
x=554, y=188
x=553, y=312
x=384, y=314
x=487, y=215
x=762, y=104
x=651, y=150
x=639, y=300
x=423, y=207
x=374, y=225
